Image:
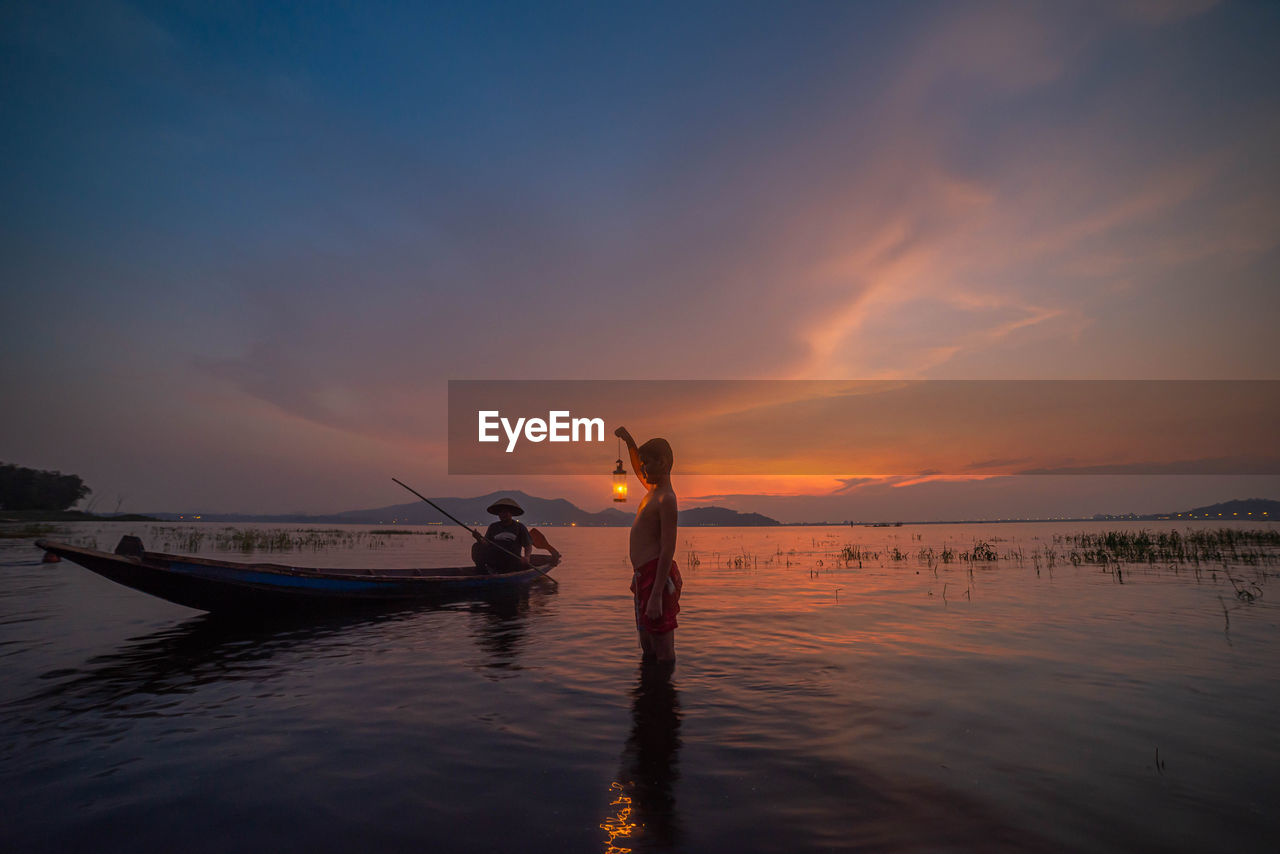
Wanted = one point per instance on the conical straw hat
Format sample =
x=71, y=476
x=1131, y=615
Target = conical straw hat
x=510, y=504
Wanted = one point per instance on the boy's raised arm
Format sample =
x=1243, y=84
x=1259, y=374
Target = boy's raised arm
x=625, y=435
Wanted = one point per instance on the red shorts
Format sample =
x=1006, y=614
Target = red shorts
x=642, y=586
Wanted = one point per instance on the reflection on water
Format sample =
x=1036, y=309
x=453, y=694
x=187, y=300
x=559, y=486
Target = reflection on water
x=179, y=660
x=644, y=802
x=137, y=679
x=499, y=627
x=839, y=690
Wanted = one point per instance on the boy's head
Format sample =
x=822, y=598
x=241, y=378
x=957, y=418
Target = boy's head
x=656, y=457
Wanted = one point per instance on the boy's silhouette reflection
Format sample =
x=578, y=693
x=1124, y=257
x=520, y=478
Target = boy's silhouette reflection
x=645, y=817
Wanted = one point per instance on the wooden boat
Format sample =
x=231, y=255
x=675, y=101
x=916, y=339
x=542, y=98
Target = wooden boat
x=224, y=586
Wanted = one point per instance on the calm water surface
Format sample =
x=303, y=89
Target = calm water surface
x=818, y=705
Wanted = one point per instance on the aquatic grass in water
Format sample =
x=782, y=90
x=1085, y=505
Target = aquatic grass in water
x=1174, y=549
x=1253, y=547
x=253, y=540
x=26, y=531
x=392, y=532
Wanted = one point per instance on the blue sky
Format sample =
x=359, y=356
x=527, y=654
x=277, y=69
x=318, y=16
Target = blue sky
x=244, y=247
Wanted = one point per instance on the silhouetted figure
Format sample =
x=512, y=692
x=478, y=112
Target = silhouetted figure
x=506, y=545
x=656, y=580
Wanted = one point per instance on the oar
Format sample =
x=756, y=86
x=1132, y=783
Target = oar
x=540, y=540
x=474, y=531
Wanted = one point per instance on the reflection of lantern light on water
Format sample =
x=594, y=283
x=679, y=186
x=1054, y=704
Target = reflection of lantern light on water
x=619, y=483
x=619, y=826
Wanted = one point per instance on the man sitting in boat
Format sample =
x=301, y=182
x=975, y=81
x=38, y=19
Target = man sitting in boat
x=506, y=545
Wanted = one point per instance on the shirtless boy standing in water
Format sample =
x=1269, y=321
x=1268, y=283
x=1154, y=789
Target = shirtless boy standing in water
x=656, y=581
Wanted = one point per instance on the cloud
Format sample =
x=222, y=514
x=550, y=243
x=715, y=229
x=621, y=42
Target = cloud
x=848, y=484
x=1230, y=465
x=953, y=243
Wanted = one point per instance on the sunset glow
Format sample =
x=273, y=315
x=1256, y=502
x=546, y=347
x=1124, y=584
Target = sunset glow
x=243, y=257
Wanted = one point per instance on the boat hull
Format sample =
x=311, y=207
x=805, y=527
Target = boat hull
x=223, y=586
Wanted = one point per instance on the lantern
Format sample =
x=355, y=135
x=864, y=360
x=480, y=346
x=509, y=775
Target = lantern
x=620, y=483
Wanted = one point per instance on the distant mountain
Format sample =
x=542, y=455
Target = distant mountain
x=724, y=517
x=558, y=511
x=1258, y=508
x=1250, y=509
x=538, y=511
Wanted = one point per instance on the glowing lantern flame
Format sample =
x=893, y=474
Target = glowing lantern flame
x=620, y=483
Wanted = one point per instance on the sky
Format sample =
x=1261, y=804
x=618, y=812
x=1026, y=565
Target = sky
x=244, y=247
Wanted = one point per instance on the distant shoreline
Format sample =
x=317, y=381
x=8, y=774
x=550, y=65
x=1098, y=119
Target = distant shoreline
x=14, y=519
x=1237, y=510
x=21, y=516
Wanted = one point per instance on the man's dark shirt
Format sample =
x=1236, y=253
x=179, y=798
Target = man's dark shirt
x=512, y=536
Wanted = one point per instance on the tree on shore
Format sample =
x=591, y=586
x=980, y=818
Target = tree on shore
x=33, y=489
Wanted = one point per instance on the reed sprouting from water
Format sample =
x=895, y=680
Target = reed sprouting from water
x=28, y=531
x=851, y=553
x=1221, y=548
x=1224, y=545
x=982, y=551
x=395, y=532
